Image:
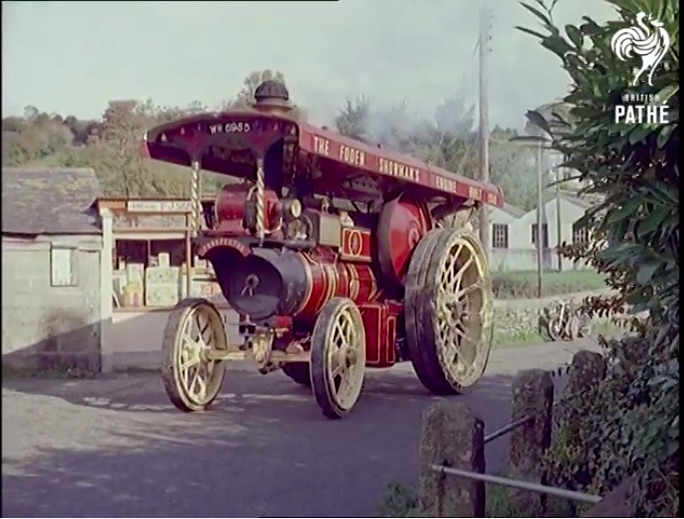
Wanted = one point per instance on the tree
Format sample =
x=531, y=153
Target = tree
x=446, y=140
x=245, y=97
x=354, y=118
x=33, y=137
x=512, y=168
x=631, y=422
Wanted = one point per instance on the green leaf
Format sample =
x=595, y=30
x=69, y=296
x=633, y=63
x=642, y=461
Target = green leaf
x=665, y=94
x=575, y=35
x=646, y=272
x=664, y=136
x=531, y=32
x=626, y=211
x=640, y=133
x=557, y=45
x=653, y=221
x=544, y=18
x=538, y=120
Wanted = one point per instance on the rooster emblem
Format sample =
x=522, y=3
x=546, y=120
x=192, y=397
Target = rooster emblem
x=650, y=43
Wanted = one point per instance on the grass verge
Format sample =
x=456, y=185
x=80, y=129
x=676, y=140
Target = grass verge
x=503, y=338
x=523, y=285
x=402, y=501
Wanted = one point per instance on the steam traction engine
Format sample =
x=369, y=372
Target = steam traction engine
x=332, y=253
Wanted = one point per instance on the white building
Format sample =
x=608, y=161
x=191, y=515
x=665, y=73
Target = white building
x=513, y=234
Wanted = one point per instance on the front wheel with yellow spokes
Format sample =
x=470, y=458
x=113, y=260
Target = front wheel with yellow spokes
x=192, y=380
x=338, y=357
x=449, y=310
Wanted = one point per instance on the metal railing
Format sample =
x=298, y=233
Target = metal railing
x=508, y=428
x=522, y=485
x=514, y=483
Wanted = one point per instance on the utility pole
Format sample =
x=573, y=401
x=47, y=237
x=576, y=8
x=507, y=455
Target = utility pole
x=484, y=122
x=559, y=226
x=540, y=220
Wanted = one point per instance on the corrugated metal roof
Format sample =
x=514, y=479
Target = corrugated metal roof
x=50, y=201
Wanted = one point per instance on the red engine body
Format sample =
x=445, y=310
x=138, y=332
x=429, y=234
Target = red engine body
x=275, y=285
x=230, y=205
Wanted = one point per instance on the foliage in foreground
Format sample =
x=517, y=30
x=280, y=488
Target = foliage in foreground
x=630, y=425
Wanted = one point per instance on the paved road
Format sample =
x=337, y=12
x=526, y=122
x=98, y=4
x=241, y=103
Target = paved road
x=114, y=447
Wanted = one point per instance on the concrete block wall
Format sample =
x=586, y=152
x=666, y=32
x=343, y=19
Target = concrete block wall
x=135, y=338
x=45, y=327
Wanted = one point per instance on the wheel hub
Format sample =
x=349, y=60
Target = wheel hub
x=350, y=357
x=195, y=351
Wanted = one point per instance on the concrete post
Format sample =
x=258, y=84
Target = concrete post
x=587, y=369
x=452, y=436
x=106, y=287
x=532, y=396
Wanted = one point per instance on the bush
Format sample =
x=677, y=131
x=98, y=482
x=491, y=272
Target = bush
x=630, y=426
x=398, y=501
x=523, y=285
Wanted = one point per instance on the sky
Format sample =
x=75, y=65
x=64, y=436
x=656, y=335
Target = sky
x=73, y=57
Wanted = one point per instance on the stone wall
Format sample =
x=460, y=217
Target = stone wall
x=46, y=327
x=521, y=316
x=136, y=338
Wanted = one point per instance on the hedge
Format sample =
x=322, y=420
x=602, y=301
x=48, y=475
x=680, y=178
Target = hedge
x=523, y=285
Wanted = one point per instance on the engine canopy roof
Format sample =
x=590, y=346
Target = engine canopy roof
x=227, y=142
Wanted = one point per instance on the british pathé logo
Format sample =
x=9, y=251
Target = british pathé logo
x=648, y=40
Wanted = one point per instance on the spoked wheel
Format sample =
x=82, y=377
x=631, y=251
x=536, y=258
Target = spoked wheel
x=190, y=379
x=555, y=327
x=338, y=357
x=449, y=310
x=584, y=325
x=299, y=372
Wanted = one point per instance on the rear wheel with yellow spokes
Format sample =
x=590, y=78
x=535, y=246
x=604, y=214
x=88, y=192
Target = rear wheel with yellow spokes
x=449, y=310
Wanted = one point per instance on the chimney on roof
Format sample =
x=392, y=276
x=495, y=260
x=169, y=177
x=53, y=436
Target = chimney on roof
x=272, y=96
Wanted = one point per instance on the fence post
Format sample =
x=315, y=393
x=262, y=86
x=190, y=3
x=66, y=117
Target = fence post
x=532, y=396
x=452, y=436
x=587, y=370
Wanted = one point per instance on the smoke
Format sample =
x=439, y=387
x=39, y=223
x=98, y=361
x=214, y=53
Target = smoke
x=397, y=126
x=454, y=117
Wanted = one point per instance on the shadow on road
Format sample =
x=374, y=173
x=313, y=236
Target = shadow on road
x=115, y=447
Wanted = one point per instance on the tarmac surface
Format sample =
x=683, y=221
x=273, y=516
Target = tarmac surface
x=115, y=447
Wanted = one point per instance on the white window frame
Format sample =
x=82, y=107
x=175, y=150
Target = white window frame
x=500, y=230
x=63, y=266
x=545, y=235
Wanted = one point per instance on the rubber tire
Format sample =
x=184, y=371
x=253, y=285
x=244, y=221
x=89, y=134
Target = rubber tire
x=417, y=313
x=423, y=356
x=299, y=372
x=551, y=324
x=319, y=378
x=176, y=318
x=543, y=327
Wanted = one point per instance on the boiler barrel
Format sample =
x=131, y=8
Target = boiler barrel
x=296, y=284
x=328, y=280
